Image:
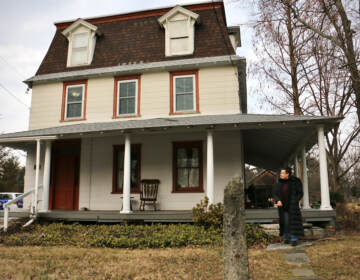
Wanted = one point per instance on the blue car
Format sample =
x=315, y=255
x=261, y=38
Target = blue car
x=5, y=197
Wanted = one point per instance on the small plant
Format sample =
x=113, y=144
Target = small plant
x=208, y=215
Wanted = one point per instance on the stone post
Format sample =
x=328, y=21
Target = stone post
x=235, y=248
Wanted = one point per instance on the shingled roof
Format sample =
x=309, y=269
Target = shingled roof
x=137, y=37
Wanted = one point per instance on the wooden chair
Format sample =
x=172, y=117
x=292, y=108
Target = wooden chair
x=148, y=192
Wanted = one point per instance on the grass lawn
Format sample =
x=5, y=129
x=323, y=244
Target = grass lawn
x=32, y=262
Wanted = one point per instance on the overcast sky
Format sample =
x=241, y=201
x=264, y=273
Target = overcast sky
x=27, y=28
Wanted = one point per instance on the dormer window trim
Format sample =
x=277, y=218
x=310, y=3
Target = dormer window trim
x=187, y=37
x=70, y=33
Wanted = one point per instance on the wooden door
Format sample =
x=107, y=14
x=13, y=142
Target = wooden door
x=64, y=189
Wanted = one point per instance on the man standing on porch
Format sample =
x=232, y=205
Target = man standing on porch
x=287, y=195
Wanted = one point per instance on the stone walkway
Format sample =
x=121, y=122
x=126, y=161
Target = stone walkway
x=296, y=256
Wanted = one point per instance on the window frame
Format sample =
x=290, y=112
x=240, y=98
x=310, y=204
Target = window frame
x=124, y=79
x=188, y=144
x=179, y=74
x=116, y=149
x=67, y=85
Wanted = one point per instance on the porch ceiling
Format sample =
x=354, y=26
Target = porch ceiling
x=269, y=148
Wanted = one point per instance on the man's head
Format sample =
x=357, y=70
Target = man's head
x=285, y=173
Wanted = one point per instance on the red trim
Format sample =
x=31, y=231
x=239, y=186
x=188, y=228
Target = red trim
x=124, y=78
x=116, y=149
x=200, y=188
x=65, y=84
x=142, y=14
x=180, y=73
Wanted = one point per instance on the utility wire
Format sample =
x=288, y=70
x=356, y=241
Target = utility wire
x=14, y=96
x=13, y=67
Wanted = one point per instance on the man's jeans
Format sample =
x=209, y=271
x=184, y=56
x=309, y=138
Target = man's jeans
x=286, y=228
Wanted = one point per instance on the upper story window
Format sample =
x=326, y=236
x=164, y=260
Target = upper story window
x=74, y=101
x=184, y=92
x=82, y=38
x=127, y=96
x=179, y=31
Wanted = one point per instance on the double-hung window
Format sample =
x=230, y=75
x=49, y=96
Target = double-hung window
x=187, y=167
x=80, y=48
x=127, y=92
x=74, y=97
x=184, y=92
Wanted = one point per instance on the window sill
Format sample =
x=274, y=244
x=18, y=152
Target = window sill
x=184, y=113
x=195, y=190
x=73, y=120
x=127, y=116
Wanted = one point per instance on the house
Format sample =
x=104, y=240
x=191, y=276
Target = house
x=152, y=94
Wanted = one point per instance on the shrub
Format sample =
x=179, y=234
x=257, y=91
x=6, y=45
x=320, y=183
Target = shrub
x=336, y=197
x=208, y=215
x=348, y=216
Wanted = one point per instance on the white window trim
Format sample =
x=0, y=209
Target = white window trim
x=82, y=101
x=194, y=93
x=136, y=98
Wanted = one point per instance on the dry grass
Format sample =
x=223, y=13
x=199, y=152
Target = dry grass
x=338, y=258
x=81, y=263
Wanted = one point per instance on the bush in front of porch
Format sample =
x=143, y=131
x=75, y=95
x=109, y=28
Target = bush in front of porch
x=122, y=235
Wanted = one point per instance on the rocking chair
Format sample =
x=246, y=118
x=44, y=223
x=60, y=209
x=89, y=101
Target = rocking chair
x=148, y=192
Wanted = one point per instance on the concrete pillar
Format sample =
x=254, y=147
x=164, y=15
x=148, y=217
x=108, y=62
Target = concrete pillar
x=324, y=181
x=306, y=204
x=46, y=177
x=127, y=176
x=37, y=169
x=210, y=167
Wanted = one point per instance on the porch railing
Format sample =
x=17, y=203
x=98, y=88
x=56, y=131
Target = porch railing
x=6, y=206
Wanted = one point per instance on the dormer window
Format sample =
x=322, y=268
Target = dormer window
x=179, y=31
x=82, y=38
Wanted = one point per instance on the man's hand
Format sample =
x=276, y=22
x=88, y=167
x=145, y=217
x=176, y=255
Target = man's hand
x=279, y=203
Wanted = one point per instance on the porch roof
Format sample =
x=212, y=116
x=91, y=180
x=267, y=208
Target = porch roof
x=269, y=140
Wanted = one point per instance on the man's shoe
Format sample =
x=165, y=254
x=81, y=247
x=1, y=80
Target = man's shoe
x=286, y=242
x=294, y=243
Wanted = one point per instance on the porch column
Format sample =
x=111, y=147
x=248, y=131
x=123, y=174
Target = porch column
x=324, y=181
x=46, y=177
x=210, y=167
x=306, y=204
x=296, y=165
x=37, y=167
x=127, y=173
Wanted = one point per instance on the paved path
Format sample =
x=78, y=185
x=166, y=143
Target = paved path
x=296, y=256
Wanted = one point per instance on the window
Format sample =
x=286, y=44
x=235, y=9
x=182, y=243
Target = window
x=74, y=99
x=184, y=92
x=187, y=167
x=118, y=168
x=81, y=36
x=179, y=31
x=127, y=96
x=80, y=48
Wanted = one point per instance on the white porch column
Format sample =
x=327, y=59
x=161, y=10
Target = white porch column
x=324, y=181
x=210, y=167
x=46, y=177
x=306, y=204
x=127, y=173
x=37, y=168
x=296, y=166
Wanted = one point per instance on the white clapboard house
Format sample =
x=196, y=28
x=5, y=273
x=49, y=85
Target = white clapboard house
x=152, y=94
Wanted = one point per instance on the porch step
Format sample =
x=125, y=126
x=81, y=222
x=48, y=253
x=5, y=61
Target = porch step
x=310, y=231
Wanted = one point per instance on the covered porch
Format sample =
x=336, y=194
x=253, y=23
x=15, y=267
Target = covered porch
x=228, y=142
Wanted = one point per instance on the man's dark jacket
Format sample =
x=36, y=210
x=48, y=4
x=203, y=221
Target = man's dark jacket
x=295, y=193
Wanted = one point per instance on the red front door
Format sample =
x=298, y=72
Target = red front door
x=64, y=190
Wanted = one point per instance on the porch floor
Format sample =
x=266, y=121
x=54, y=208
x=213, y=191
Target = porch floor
x=114, y=216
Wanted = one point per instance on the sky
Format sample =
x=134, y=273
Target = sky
x=26, y=31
